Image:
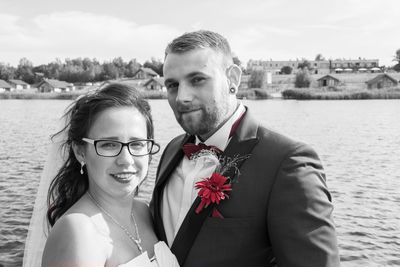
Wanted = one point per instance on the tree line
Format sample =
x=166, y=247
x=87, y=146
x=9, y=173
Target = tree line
x=76, y=70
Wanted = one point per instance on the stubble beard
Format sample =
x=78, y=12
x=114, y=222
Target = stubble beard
x=207, y=123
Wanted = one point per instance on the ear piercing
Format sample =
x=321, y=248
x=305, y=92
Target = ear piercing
x=82, y=164
x=232, y=90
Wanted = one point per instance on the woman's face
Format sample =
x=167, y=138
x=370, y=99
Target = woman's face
x=120, y=175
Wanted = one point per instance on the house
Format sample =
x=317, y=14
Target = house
x=4, y=86
x=381, y=81
x=18, y=84
x=145, y=73
x=51, y=85
x=328, y=80
x=156, y=84
x=244, y=82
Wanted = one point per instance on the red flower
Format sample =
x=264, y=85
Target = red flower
x=212, y=190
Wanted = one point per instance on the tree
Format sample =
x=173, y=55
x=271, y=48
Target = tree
x=257, y=79
x=24, y=71
x=155, y=65
x=303, y=79
x=397, y=56
x=319, y=57
x=132, y=67
x=286, y=70
x=305, y=64
x=236, y=61
x=397, y=67
x=7, y=72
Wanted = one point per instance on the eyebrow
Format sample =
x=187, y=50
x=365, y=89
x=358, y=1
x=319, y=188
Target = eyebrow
x=188, y=76
x=114, y=138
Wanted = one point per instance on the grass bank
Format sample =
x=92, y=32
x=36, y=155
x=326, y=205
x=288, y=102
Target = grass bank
x=69, y=95
x=253, y=94
x=326, y=94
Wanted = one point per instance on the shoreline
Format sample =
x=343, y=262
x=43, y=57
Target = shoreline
x=250, y=94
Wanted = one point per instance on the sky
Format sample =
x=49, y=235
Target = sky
x=45, y=30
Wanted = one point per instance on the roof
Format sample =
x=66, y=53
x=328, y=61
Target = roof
x=328, y=76
x=4, y=84
x=56, y=83
x=18, y=82
x=147, y=70
x=159, y=80
x=380, y=77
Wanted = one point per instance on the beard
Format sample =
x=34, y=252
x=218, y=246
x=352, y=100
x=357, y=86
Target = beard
x=204, y=122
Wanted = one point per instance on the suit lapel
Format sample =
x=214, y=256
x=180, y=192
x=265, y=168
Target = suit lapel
x=172, y=159
x=241, y=144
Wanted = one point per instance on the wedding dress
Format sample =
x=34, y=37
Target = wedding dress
x=163, y=258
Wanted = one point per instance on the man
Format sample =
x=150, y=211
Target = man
x=278, y=210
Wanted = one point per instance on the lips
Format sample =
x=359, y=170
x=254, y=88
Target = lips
x=123, y=177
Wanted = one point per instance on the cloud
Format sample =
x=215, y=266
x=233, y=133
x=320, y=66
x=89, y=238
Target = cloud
x=81, y=34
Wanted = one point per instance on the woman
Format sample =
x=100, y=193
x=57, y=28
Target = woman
x=95, y=220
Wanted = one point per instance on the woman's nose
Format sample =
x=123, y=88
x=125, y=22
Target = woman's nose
x=125, y=157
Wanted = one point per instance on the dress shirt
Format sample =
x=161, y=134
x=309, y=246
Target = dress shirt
x=180, y=192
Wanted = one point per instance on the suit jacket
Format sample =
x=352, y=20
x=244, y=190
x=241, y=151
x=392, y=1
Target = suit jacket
x=278, y=213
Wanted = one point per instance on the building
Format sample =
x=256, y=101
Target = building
x=156, y=84
x=51, y=85
x=244, y=82
x=145, y=73
x=381, y=81
x=328, y=80
x=5, y=86
x=317, y=66
x=18, y=84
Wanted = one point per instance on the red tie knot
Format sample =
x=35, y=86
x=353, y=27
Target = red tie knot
x=190, y=149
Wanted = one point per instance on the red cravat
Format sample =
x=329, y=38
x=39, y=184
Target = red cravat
x=189, y=149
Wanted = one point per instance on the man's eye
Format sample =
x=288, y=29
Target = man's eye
x=172, y=86
x=197, y=80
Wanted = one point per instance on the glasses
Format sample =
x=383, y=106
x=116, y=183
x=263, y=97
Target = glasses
x=112, y=148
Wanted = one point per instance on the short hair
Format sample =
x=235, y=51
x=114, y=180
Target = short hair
x=200, y=39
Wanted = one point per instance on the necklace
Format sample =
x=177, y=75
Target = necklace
x=137, y=240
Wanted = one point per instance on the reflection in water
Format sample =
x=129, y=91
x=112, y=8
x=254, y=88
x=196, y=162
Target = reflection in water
x=358, y=142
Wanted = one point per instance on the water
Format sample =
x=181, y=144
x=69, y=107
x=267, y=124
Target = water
x=358, y=141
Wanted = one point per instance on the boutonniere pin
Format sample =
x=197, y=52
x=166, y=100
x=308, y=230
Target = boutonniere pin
x=214, y=189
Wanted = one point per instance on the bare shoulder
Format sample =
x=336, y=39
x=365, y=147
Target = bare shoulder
x=75, y=241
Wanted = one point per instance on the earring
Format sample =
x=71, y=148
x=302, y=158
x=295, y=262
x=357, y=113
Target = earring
x=232, y=90
x=82, y=164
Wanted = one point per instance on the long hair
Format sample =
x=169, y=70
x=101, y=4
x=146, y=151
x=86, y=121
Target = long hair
x=69, y=185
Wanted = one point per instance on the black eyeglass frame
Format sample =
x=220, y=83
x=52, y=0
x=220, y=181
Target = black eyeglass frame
x=151, y=152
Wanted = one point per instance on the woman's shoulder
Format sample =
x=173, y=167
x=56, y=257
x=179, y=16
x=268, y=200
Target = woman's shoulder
x=75, y=239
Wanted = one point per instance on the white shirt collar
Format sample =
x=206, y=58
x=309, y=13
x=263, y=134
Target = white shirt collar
x=221, y=137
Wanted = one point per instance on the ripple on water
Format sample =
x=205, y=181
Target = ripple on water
x=357, y=141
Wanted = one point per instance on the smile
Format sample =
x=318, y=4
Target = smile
x=123, y=177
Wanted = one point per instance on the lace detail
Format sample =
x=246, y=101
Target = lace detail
x=163, y=258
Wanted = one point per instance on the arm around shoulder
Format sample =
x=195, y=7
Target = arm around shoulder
x=300, y=220
x=74, y=242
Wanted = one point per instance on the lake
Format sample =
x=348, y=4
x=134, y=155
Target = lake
x=358, y=142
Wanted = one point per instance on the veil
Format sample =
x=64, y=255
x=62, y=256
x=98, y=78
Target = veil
x=38, y=227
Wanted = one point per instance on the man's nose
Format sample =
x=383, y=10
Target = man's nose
x=184, y=93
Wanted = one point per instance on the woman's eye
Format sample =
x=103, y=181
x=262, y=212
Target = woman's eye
x=108, y=145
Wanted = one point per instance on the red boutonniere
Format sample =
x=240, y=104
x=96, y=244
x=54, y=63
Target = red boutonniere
x=214, y=189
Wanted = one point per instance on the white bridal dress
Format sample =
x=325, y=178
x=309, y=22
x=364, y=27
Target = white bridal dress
x=39, y=228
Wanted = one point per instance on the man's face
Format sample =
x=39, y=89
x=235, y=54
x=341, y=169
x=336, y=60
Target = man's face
x=198, y=90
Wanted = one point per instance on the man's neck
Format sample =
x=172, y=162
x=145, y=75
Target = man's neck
x=206, y=136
